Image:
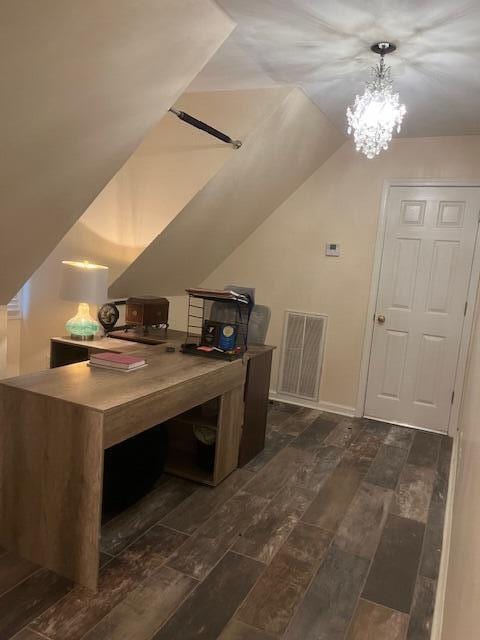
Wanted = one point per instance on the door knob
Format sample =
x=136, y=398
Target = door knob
x=380, y=319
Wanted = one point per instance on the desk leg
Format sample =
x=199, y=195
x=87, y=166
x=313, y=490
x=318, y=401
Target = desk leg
x=229, y=432
x=51, y=466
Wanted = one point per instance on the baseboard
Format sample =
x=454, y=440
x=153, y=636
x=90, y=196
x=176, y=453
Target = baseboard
x=320, y=406
x=437, y=623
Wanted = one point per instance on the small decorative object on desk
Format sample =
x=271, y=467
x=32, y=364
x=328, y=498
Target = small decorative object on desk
x=146, y=320
x=224, y=338
x=116, y=361
x=108, y=315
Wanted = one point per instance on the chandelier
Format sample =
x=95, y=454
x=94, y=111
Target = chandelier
x=375, y=114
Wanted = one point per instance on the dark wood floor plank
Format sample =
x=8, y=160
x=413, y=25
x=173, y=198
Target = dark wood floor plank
x=274, y=443
x=420, y=627
x=277, y=473
x=378, y=428
x=133, y=522
x=386, y=468
x=373, y=622
x=443, y=467
x=313, y=438
x=274, y=598
x=425, y=449
x=432, y=546
x=363, y=451
x=298, y=421
x=264, y=537
x=414, y=492
x=334, y=498
x=360, y=530
x=198, y=555
x=146, y=608
x=278, y=412
x=195, y=510
x=344, y=433
x=328, y=605
x=313, y=473
x=400, y=437
x=13, y=570
x=82, y=609
x=208, y=609
x=391, y=581
x=20, y=605
x=236, y=630
x=332, y=417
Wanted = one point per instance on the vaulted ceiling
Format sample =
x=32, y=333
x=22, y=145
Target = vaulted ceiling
x=82, y=83
x=323, y=46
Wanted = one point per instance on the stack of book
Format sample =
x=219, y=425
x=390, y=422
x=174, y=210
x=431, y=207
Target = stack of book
x=116, y=361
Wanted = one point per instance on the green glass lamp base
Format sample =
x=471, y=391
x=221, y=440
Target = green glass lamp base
x=82, y=326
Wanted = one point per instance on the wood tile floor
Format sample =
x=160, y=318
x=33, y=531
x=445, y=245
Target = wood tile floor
x=333, y=532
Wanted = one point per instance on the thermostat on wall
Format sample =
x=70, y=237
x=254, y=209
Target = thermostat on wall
x=332, y=249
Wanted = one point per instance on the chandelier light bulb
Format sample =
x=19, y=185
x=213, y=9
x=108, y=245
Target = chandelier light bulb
x=377, y=112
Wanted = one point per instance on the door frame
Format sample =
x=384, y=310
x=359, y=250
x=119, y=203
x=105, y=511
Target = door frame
x=374, y=286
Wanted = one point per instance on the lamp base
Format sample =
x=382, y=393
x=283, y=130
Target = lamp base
x=82, y=326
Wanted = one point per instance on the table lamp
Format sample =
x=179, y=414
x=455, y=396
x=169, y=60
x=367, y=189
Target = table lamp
x=85, y=283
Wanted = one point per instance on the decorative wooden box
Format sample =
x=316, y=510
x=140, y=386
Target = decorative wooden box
x=147, y=311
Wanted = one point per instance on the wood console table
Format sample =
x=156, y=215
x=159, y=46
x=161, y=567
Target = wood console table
x=55, y=425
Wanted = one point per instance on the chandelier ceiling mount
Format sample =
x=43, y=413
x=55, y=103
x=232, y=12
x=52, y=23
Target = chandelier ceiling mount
x=382, y=48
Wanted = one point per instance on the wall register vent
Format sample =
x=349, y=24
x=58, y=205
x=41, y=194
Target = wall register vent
x=302, y=355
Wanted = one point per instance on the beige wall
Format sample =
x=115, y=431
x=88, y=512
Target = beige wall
x=82, y=83
x=170, y=166
x=284, y=257
x=461, y=620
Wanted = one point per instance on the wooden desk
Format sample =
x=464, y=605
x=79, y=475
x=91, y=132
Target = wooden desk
x=55, y=425
x=65, y=351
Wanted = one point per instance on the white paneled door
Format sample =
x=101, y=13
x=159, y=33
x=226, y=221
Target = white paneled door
x=424, y=281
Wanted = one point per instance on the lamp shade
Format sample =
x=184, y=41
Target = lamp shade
x=84, y=282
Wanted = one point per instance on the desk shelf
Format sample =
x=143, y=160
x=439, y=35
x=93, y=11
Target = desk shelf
x=185, y=465
x=184, y=450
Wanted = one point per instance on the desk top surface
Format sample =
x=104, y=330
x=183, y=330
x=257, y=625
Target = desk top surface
x=105, y=390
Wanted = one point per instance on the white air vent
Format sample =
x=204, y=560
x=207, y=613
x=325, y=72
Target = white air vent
x=302, y=354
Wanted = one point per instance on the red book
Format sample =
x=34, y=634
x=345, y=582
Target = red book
x=117, y=360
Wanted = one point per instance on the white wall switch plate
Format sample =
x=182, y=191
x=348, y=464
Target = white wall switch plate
x=332, y=249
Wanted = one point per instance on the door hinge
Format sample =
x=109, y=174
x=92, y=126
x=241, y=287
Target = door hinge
x=465, y=309
x=453, y=396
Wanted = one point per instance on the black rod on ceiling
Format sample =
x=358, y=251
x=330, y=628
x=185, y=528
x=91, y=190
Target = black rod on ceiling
x=186, y=117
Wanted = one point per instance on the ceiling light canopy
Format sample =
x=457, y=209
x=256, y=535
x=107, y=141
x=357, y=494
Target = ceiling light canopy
x=374, y=115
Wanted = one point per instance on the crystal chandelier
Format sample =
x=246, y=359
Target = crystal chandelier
x=376, y=113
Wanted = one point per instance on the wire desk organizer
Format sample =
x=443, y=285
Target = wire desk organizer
x=217, y=324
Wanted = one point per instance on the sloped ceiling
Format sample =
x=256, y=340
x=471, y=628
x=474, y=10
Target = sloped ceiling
x=324, y=47
x=82, y=82
x=275, y=159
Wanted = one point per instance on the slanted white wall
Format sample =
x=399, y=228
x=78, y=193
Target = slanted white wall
x=284, y=258
x=82, y=83
x=275, y=159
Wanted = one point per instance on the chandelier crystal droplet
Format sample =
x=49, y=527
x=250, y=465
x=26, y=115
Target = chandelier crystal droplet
x=375, y=114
